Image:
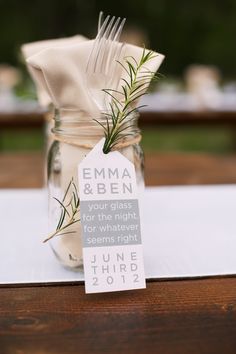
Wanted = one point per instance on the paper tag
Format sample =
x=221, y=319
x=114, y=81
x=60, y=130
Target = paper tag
x=109, y=213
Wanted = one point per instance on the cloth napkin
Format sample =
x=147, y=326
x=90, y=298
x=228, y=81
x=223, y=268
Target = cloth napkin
x=32, y=48
x=61, y=72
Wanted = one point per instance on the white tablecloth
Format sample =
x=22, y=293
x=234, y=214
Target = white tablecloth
x=188, y=231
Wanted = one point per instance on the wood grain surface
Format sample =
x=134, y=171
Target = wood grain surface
x=21, y=170
x=191, y=316
x=147, y=118
x=169, y=317
x=26, y=170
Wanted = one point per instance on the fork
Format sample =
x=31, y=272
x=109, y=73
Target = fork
x=102, y=62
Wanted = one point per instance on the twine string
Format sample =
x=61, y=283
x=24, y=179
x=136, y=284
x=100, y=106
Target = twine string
x=121, y=145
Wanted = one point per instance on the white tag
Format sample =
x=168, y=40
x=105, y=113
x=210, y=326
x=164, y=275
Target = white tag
x=109, y=212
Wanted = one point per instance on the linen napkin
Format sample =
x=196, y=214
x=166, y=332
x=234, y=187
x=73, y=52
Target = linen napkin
x=61, y=72
x=32, y=48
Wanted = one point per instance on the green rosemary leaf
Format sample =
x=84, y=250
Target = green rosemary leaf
x=142, y=57
x=147, y=78
x=108, y=126
x=113, y=97
x=126, y=82
x=123, y=66
x=131, y=72
x=130, y=75
x=61, y=220
x=133, y=58
x=62, y=205
x=139, y=87
x=137, y=97
x=125, y=92
x=67, y=190
x=131, y=67
x=111, y=90
x=75, y=200
x=136, y=109
x=124, y=128
x=100, y=124
x=117, y=107
x=121, y=108
x=76, y=190
x=64, y=223
x=119, y=138
x=66, y=205
x=113, y=115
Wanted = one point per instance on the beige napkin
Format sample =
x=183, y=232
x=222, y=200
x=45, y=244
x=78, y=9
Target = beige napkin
x=33, y=48
x=61, y=72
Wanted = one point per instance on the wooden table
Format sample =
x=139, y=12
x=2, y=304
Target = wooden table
x=36, y=119
x=169, y=317
x=25, y=170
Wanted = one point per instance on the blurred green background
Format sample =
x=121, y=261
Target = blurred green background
x=186, y=31
x=183, y=139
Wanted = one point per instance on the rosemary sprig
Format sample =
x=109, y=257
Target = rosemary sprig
x=69, y=212
x=122, y=103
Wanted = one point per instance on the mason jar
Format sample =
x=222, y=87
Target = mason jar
x=75, y=135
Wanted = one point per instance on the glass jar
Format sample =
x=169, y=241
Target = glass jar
x=49, y=115
x=75, y=135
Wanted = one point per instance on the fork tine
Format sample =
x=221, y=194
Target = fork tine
x=114, y=80
x=108, y=32
x=102, y=47
x=110, y=58
x=114, y=37
x=100, y=20
x=103, y=28
x=92, y=55
x=110, y=45
x=118, y=33
x=102, y=61
x=117, y=57
x=113, y=31
x=109, y=28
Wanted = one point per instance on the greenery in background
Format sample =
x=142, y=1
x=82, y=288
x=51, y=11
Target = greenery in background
x=25, y=89
x=187, y=31
x=21, y=140
x=186, y=139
